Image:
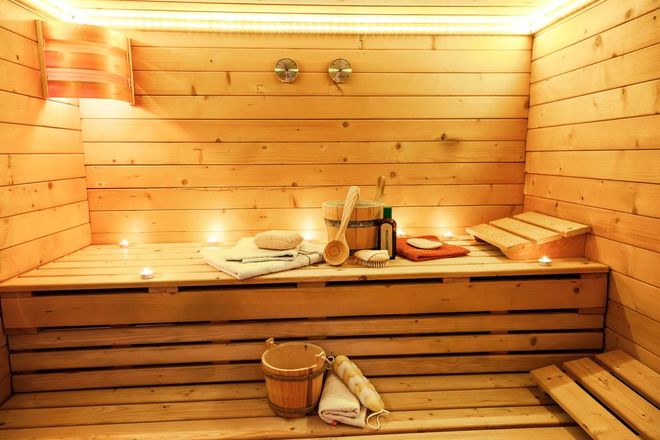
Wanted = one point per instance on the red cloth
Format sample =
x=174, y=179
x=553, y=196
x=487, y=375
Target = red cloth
x=415, y=254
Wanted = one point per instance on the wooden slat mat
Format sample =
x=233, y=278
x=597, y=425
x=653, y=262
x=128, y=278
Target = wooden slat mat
x=606, y=407
x=480, y=406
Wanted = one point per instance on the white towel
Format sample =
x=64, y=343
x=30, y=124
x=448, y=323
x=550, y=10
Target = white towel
x=246, y=251
x=338, y=404
x=309, y=253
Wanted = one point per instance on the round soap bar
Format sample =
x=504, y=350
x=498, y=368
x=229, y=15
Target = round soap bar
x=423, y=243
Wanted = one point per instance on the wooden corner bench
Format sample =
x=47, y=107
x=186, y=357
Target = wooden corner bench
x=613, y=397
x=96, y=350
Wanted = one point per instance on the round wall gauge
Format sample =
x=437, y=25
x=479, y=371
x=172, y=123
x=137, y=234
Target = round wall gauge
x=286, y=69
x=340, y=70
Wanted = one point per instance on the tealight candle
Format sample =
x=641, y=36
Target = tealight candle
x=124, y=243
x=212, y=241
x=448, y=234
x=146, y=273
x=400, y=232
x=545, y=261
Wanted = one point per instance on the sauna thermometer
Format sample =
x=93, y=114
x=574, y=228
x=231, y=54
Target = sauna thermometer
x=286, y=70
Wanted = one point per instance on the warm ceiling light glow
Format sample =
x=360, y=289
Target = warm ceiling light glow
x=312, y=23
x=558, y=10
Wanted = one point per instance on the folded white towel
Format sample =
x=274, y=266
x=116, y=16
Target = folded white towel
x=338, y=404
x=246, y=251
x=309, y=253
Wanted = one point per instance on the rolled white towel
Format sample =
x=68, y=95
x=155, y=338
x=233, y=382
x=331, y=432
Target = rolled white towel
x=338, y=404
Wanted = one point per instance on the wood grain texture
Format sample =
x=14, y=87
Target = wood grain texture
x=445, y=124
x=42, y=193
x=137, y=308
x=634, y=373
x=588, y=413
x=594, y=127
x=636, y=411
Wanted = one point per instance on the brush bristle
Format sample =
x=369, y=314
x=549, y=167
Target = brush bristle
x=373, y=263
x=372, y=258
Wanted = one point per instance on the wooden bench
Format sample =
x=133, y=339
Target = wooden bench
x=613, y=397
x=84, y=327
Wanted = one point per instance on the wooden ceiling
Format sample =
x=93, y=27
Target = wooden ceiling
x=360, y=7
x=321, y=16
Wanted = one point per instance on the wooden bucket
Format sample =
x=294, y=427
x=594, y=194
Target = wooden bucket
x=362, y=230
x=294, y=377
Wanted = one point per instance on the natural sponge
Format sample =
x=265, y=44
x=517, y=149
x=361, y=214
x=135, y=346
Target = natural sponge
x=278, y=240
x=357, y=383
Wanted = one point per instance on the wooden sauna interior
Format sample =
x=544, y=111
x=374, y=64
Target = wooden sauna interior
x=467, y=128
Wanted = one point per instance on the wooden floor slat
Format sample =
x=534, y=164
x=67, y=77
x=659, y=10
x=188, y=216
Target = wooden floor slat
x=589, y=414
x=634, y=373
x=277, y=428
x=247, y=408
x=254, y=390
x=563, y=433
x=627, y=404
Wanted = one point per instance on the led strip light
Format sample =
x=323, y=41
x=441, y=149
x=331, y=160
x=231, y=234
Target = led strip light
x=310, y=23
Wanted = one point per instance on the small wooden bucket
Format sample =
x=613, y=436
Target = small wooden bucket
x=362, y=230
x=294, y=377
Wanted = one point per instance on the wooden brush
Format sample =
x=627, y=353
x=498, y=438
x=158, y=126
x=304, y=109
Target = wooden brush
x=369, y=258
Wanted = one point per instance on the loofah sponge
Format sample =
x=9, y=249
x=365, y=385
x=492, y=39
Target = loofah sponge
x=278, y=240
x=357, y=383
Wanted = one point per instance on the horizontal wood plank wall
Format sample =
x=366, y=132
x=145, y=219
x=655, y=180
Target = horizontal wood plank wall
x=217, y=145
x=593, y=151
x=43, y=202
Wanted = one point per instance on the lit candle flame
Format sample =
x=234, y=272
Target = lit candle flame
x=124, y=243
x=146, y=273
x=545, y=261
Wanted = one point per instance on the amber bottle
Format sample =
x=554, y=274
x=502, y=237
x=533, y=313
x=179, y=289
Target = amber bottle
x=387, y=232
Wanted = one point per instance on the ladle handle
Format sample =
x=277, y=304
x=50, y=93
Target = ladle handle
x=380, y=189
x=350, y=202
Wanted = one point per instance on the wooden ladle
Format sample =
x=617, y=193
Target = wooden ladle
x=380, y=189
x=336, y=251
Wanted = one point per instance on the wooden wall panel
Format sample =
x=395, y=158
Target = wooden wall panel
x=43, y=203
x=593, y=151
x=215, y=143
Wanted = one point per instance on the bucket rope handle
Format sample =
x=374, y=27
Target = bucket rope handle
x=377, y=415
x=327, y=359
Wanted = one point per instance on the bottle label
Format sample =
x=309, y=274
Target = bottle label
x=386, y=238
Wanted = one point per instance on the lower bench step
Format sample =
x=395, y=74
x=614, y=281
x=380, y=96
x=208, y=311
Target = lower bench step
x=502, y=406
x=615, y=411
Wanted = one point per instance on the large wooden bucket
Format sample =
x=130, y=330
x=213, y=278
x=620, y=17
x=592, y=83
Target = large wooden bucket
x=362, y=230
x=294, y=377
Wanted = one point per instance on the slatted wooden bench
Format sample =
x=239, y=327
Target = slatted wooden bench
x=613, y=397
x=84, y=328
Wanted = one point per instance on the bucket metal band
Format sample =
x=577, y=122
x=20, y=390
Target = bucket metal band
x=313, y=375
x=351, y=224
x=279, y=410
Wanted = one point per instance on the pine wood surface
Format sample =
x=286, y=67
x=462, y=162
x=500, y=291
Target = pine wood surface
x=641, y=415
x=634, y=373
x=596, y=420
x=461, y=406
x=42, y=192
x=213, y=127
x=169, y=332
x=106, y=266
x=593, y=132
